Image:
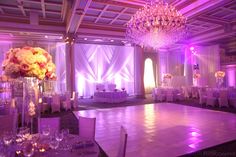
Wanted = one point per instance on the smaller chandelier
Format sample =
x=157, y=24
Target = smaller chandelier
x=156, y=25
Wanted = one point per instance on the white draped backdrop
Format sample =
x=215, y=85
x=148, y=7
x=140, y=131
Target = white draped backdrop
x=95, y=64
x=180, y=64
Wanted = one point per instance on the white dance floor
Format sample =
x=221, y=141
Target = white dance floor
x=163, y=129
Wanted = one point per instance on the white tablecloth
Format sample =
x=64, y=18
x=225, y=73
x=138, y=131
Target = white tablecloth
x=110, y=97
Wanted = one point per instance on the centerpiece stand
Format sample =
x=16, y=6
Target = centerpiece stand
x=28, y=65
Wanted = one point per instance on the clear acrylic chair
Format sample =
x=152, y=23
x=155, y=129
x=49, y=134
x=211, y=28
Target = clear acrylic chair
x=87, y=127
x=223, y=98
x=55, y=106
x=123, y=142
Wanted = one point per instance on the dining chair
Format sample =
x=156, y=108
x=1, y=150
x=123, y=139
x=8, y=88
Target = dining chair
x=74, y=99
x=123, y=142
x=52, y=123
x=8, y=123
x=180, y=94
x=55, y=106
x=223, y=98
x=67, y=105
x=161, y=95
x=211, y=100
x=202, y=96
x=169, y=95
x=87, y=127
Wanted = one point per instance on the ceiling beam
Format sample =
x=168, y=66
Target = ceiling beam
x=20, y=6
x=88, y=2
x=110, y=11
x=124, y=3
x=71, y=15
x=64, y=9
x=76, y=16
x=12, y=26
x=43, y=8
x=29, y=9
x=47, y=2
x=100, y=15
x=104, y=17
x=118, y=16
x=212, y=20
x=197, y=7
x=132, y=2
x=1, y=11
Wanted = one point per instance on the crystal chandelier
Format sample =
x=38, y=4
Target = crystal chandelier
x=156, y=25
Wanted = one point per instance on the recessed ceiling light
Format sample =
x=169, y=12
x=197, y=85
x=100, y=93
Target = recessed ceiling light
x=112, y=40
x=46, y=36
x=60, y=37
x=98, y=40
x=85, y=38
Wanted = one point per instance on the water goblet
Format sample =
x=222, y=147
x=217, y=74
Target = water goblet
x=54, y=144
x=28, y=149
x=59, y=136
x=45, y=130
x=65, y=134
x=8, y=138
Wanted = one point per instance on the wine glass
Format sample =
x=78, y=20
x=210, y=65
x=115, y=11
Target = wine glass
x=23, y=132
x=45, y=130
x=59, y=136
x=54, y=144
x=28, y=149
x=65, y=134
x=7, y=138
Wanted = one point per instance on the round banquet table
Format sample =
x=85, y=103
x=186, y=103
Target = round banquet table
x=75, y=146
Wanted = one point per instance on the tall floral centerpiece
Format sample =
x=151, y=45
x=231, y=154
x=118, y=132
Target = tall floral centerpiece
x=167, y=79
x=196, y=77
x=219, y=75
x=29, y=65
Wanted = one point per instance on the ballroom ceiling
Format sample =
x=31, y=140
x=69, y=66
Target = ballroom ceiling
x=209, y=21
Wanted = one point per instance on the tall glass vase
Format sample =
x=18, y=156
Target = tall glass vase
x=219, y=82
x=30, y=95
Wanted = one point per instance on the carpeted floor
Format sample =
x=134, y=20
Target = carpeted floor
x=68, y=120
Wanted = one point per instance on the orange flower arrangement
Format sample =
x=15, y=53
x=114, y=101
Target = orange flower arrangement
x=219, y=74
x=167, y=76
x=29, y=62
x=196, y=76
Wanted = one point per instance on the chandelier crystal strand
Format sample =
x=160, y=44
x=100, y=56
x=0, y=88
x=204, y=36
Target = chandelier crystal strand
x=156, y=25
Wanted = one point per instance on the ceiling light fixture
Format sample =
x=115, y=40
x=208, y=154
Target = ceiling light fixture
x=156, y=25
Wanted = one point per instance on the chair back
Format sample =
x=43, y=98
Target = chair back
x=53, y=123
x=223, y=94
x=123, y=142
x=210, y=93
x=56, y=99
x=87, y=127
x=55, y=103
x=111, y=87
x=67, y=95
x=8, y=123
x=100, y=87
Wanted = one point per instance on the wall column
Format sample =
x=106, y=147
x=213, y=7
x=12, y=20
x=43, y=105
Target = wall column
x=139, y=72
x=70, y=72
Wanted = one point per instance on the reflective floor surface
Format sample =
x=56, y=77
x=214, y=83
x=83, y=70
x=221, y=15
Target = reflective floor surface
x=162, y=129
